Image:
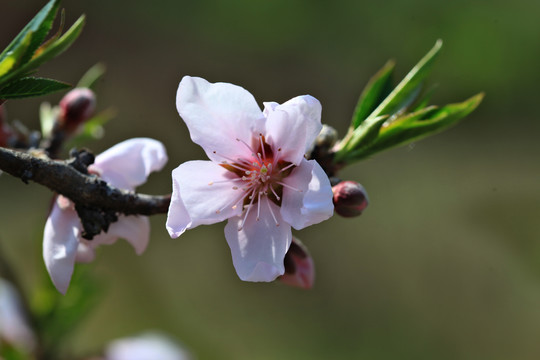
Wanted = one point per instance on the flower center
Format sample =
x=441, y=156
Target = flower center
x=258, y=176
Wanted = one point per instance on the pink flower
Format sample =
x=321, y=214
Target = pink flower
x=257, y=178
x=125, y=166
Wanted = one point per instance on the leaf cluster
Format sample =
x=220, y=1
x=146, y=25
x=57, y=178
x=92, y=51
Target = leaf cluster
x=385, y=118
x=29, y=50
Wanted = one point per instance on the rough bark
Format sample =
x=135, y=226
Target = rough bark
x=96, y=202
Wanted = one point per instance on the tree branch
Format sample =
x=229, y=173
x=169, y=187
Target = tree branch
x=96, y=202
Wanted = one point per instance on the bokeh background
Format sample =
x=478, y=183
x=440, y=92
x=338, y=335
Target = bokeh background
x=445, y=262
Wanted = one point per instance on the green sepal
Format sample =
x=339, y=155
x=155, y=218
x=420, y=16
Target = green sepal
x=376, y=90
x=31, y=86
x=415, y=126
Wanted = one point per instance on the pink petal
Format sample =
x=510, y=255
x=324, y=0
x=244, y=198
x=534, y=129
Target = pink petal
x=313, y=203
x=259, y=248
x=13, y=323
x=218, y=114
x=269, y=106
x=60, y=245
x=134, y=229
x=293, y=126
x=128, y=164
x=202, y=194
x=85, y=253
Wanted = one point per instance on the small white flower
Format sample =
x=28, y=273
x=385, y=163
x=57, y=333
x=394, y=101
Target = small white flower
x=148, y=346
x=125, y=166
x=257, y=178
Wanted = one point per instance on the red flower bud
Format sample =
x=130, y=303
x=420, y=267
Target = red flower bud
x=5, y=130
x=350, y=198
x=76, y=107
x=299, y=266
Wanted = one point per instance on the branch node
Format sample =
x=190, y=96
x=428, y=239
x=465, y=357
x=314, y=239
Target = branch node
x=80, y=160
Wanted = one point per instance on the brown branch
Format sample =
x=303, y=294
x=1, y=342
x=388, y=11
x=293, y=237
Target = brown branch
x=96, y=202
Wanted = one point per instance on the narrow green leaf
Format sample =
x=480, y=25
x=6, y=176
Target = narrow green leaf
x=11, y=60
x=47, y=118
x=363, y=136
x=418, y=125
x=424, y=99
x=38, y=28
x=410, y=86
x=93, y=74
x=53, y=38
x=53, y=50
x=29, y=86
x=376, y=89
x=41, y=26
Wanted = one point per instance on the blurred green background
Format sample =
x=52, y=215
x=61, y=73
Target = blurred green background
x=445, y=262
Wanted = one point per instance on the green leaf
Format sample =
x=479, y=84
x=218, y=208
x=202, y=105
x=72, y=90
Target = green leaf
x=423, y=101
x=11, y=59
x=363, y=136
x=417, y=125
x=51, y=51
x=47, y=117
x=93, y=74
x=376, y=89
x=35, y=30
x=40, y=27
x=406, y=91
x=29, y=86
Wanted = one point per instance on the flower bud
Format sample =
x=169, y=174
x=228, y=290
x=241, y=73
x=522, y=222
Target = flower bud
x=299, y=266
x=327, y=137
x=76, y=107
x=350, y=198
x=5, y=131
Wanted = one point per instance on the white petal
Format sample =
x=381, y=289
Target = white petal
x=146, y=347
x=13, y=323
x=202, y=194
x=259, y=248
x=218, y=114
x=134, y=229
x=269, y=107
x=293, y=126
x=85, y=253
x=311, y=205
x=60, y=245
x=128, y=164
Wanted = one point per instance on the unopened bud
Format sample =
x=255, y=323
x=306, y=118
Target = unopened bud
x=5, y=131
x=299, y=266
x=350, y=198
x=76, y=107
x=327, y=137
